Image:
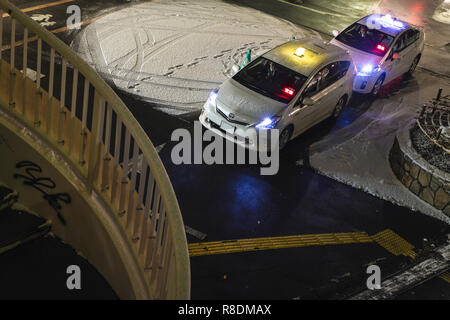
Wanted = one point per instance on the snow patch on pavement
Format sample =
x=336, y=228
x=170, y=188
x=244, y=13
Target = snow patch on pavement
x=442, y=13
x=358, y=155
x=173, y=52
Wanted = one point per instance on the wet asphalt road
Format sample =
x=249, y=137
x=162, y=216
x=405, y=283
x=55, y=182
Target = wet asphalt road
x=315, y=15
x=236, y=202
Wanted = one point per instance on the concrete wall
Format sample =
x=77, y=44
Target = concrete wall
x=85, y=222
x=421, y=178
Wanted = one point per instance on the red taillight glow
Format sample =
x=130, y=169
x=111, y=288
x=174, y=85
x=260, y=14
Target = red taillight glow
x=289, y=91
x=381, y=47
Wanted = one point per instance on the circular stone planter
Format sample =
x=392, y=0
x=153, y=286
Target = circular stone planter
x=421, y=178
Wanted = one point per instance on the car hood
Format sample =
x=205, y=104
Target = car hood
x=360, y=58
x=247, y=105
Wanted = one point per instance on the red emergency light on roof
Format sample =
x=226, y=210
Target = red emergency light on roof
x=381, y=47
x=289, y=91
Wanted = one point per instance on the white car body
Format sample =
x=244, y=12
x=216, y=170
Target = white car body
x=236, y=107
x=387, y=65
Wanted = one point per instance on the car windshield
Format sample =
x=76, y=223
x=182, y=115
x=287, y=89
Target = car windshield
x=271, y=79
x=362, y=38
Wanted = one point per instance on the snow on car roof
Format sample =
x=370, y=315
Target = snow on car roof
x=316, y=53
x=385, y=23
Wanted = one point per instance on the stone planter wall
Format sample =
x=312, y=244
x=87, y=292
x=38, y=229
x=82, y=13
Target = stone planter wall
x=424, y=180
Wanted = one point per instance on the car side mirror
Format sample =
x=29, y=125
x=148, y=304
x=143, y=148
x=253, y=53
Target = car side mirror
x=335, y=33
x=396, y=56
x=308, y=101
x=235, y=69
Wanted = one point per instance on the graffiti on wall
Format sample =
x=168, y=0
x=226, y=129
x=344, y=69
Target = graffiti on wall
x=44, y=185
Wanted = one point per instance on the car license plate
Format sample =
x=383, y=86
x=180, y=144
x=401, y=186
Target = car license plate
x=214, y=118
x=227, y=127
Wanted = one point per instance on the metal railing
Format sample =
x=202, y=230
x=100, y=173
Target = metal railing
x=81, y=117
x=434, y=121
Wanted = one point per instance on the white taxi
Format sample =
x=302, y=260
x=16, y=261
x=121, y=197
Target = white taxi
x=290, y=88
x=383, y=48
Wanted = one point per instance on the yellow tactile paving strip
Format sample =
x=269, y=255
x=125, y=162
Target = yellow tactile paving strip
x=271, y=243
x=387, y=239
x=446, y=277
x=395, y=244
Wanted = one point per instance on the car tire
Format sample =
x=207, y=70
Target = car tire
x=413, y=66
x=338, y=108
x=284, y=138
x=378, y=85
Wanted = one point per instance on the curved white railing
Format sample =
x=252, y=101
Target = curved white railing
x=99, y=136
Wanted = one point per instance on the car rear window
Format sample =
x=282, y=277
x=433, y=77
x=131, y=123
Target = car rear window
x=271, y=79
x=365, y=39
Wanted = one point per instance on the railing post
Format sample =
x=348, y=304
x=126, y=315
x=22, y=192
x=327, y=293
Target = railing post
x=131, y=203
x=96, y=133
x=62, y=101
x=50, y=90
x=147, y=213
x=83, y=122
x=140, y=202
x=38, y=102
x=106, y=158
x=73, y=108
x=154, y=220
x=115, y=179
x=1, y=34
x=124, y=179
x=12, y=102
x=24, y=70
x=13, y=44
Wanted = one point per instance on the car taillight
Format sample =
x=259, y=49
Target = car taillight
x=381, y=47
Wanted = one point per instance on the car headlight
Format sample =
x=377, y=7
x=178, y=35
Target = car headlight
x=212, y=98
x=268, y=123
x=368, y=70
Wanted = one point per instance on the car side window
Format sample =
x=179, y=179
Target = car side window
x=313, y=86
x=336, y=71
x=343, y=68
x=411, y=36
x=328, y=75
x=400, y=44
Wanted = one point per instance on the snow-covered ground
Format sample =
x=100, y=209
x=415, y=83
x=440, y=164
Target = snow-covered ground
x=175, y=52
x=442, y=13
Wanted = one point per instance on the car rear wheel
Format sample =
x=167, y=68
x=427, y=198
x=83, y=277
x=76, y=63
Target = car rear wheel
x=378, y=85
x=414, y=65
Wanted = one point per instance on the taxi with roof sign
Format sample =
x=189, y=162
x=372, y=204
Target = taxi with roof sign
x=383, y=49
x=290, y=88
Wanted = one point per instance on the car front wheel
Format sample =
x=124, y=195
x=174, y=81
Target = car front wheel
x=378, y=85
x=338, y=108
x=284, y=138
